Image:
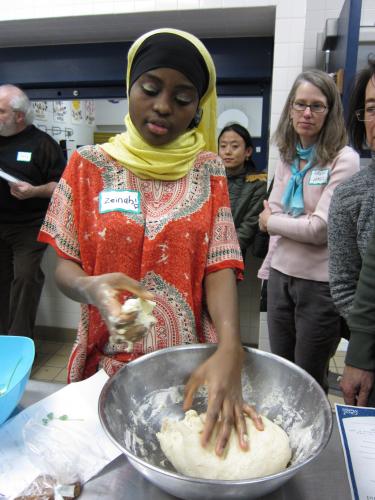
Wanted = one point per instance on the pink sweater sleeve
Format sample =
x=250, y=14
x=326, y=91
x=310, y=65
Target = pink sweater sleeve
x=312, y=226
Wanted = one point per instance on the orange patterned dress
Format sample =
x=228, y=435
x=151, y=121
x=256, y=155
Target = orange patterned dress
x=169, y=238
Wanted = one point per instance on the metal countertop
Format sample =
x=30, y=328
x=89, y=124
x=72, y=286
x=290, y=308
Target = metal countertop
x=324, y=478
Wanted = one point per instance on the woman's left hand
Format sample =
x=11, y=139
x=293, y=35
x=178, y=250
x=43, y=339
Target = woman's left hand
x=264, y=216
x=222, y=375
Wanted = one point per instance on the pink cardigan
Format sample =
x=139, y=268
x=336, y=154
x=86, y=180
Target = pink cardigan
x=302, y=249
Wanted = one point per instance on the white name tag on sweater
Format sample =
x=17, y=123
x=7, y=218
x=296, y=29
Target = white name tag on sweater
x=119, y=201
x=23, y=156
x=319, y=176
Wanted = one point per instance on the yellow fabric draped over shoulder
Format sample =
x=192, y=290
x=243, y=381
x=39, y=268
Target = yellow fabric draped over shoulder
x=174, y=160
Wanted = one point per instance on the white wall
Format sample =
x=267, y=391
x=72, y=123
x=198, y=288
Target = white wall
x=55, y=309
x=24, y=9
x=66, y=120
x=368, y=13
x=289, y=29
x=317, y=13
x=290, y=40
x=110, y=112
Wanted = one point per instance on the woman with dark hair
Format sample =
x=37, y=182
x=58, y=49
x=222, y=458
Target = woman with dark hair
x=247, y=187
x=351, y=216
x=303, y=323
x=147, y=214
x=351, y=224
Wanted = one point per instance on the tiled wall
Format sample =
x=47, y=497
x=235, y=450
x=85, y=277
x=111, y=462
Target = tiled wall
x=320, y=10
x=368, y=13
x=24, y=9
x=317, y=12
x=56, y=310
x=288, y=59
x=296, y=25
x=289, y=29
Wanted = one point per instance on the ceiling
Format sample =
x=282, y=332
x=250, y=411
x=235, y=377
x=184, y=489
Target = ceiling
x=207, y=23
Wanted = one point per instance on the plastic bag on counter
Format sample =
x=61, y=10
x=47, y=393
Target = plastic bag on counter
x=54, y=443
x=45, y=487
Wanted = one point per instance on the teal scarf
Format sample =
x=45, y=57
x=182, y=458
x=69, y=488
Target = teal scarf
x=292, y=199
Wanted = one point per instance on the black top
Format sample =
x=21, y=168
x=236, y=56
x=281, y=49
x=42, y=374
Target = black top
x=31, y=156
x=361, y=320
x=246, y=193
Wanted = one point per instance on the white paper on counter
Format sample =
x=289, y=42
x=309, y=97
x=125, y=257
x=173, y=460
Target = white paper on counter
x=79, y=402
x=357, y=431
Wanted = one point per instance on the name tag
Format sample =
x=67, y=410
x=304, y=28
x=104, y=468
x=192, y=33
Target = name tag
x=119, y=201
x=319, y=177
x=23, y=156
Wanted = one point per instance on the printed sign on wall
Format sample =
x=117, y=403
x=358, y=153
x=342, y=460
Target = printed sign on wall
x=60, y=111
x=90, y=112
x=41, y=109
x=76, y=110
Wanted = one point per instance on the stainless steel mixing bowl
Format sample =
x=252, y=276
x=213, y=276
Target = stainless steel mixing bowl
x=133, y=403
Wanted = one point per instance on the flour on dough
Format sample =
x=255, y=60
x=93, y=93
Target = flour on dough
x=143, y=308
x=269, y=450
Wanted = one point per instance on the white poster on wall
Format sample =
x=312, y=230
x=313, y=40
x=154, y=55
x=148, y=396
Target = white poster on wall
x=41, y=109
x=76, y=111
x=60, y=111
x=89, y=112
x=247, y=111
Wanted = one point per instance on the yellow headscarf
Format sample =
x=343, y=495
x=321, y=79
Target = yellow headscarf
x=174, y=160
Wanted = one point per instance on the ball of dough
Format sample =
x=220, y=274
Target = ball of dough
x=269, y=450
x=143, y=308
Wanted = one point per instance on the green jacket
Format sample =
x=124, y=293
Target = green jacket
x=361, y=320
x=246, y=193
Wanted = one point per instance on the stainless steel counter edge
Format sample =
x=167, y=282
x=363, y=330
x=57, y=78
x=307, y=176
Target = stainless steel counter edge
x=323, y=478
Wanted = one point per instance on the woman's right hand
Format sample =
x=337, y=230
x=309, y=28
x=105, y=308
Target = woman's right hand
x=103, y=292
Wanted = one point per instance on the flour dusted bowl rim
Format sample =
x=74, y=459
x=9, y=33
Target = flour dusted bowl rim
x=277, y=387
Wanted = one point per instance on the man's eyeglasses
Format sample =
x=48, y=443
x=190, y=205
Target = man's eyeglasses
x=366, y=114
x=314, y=108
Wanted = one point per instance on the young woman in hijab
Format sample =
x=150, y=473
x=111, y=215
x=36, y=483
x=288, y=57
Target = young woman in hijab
x=247, y=187
x=303, y=323
x=148, y=214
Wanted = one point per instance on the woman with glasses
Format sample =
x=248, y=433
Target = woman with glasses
x=303, y=323
x=351, y=224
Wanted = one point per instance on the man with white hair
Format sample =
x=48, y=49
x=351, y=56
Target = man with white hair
x=35, y=163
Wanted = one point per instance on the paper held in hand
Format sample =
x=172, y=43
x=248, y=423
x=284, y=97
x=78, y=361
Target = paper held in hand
x=8, y=177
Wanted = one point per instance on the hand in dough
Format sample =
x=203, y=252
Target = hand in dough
x=222, y=374
x=104, y=292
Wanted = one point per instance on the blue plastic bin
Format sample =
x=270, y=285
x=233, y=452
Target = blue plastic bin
x=13, y=349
